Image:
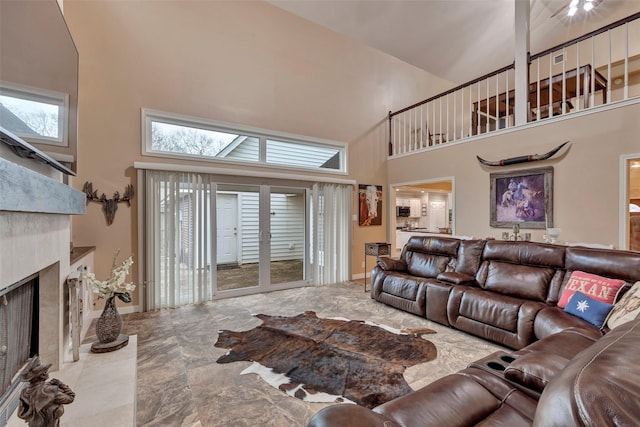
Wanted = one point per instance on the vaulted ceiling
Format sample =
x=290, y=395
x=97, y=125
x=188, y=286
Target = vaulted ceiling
x=457, y=40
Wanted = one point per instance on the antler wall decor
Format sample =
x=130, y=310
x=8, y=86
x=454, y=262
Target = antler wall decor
x=109, y=206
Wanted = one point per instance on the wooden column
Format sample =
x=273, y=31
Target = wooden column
x=521, y=50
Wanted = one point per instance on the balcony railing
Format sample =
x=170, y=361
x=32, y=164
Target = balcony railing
x=596, y=69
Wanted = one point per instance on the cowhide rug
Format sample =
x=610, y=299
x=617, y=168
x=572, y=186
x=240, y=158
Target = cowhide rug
x=326, y=360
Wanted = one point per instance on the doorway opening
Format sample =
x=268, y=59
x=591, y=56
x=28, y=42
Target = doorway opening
x=631, y=204
x=419, y=208
x=260, y=235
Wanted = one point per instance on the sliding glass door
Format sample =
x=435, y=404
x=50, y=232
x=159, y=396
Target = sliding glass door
x=207, y=238
x=261, y=237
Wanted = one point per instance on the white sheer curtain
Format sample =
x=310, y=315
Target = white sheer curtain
x=331, y=232
x=179, y=217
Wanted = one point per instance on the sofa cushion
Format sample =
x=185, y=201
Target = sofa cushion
x=401, y=285
x=521, y=281
x=525, y=253
x=469, y=256
x=469, y=397
x=566, y=343
x=490, y=308
x=390, y=264
x=600, y=288
x=426, y=265
x=551, y=320
x=535, y=370
x=604, y=262
x=589, y=309
x=433, y=245
x=456, y=278
x=626, y=309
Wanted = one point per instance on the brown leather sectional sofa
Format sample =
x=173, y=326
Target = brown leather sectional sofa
x=502, y=291
x=564, y=371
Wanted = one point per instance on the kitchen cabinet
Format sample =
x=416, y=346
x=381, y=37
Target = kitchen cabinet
x=437, y=214
x=416, y=207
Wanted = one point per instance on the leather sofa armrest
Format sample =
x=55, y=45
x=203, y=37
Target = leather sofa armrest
x=345, y=415
x=456, y=278
x=535, y=370
x=391, y=264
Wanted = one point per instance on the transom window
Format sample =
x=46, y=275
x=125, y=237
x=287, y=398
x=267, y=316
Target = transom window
x=170, y=135
x=35, y=115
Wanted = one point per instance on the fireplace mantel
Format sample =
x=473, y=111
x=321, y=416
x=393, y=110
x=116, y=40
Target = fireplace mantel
x=24, y=190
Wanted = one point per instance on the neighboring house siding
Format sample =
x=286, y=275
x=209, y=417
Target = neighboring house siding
x=249, y=230
x=246, y=150
x=287, y=227
x=283, y=153
x=298, y=154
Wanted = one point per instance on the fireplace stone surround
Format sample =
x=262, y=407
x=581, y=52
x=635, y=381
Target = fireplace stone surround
x=35, y=234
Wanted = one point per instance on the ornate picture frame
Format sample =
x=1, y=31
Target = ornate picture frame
x=523, y=197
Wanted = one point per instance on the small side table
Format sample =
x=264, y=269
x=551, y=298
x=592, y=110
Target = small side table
x=374, y=249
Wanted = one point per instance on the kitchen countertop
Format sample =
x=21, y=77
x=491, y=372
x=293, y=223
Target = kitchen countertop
x=79, y=251
x=419, y=230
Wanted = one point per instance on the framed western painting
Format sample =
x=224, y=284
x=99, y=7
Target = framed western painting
x=523, y=197
x=369, y=205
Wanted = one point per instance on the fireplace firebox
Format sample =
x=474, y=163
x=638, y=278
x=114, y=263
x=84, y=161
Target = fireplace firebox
x=19, y=318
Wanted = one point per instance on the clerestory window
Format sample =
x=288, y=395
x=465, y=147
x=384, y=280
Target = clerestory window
x=170, y=135
x=35, y=115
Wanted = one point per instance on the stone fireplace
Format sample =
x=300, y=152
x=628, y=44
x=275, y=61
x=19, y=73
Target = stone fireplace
x=35, y=230
x=38, y=243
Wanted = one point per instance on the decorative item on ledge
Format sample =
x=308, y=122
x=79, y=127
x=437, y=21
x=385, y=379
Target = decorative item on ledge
x=109, y=324
x=552, y=235
x=109, y=206
x=108, y=328
x=522, y=159
x=517, y=235
x=41, y=401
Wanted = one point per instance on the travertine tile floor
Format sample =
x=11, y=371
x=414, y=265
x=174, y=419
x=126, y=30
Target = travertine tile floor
x=179, y=382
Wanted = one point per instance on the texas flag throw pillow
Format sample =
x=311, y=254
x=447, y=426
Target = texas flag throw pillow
x=596, y=287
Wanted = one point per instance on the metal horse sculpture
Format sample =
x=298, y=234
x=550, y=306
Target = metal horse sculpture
x=109, y=206
x=522, y=159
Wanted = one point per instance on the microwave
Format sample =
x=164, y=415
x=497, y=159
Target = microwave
x=403, y=211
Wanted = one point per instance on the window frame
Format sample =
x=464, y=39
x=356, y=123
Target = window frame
x=44, y=96
x=148, y=117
